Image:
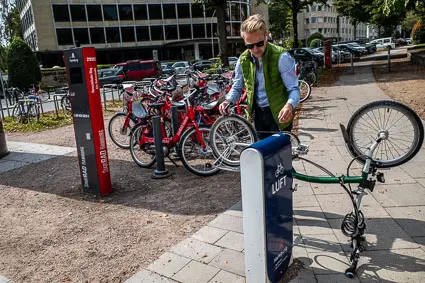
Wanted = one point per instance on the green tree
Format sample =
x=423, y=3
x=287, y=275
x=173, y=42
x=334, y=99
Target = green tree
x=295, y=7
x=386, y=23
x=418, y=32
x=354, y=10
x=3, y=58
x=280, y=18
x=23, y=67
x=220, y=12
x=12, y=25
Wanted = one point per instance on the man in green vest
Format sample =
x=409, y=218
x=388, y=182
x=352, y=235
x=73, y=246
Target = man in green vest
x=268, y=73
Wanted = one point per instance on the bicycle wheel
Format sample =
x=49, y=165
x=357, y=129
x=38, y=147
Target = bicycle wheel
x=194, y=157
x=399, y=127
x=229, y=136
x=143, y=155
x=311, y=78
x=66, y=106
x=243, y=108
x=119, y=134
x=305, y=90
x=17, y=114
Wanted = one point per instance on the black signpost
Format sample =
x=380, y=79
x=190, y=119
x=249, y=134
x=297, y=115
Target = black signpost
x=84, y=92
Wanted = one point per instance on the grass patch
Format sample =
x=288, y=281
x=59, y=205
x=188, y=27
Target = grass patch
x=47, y=121
x=418, y=46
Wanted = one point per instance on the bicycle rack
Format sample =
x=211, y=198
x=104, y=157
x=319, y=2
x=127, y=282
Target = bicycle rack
x=56, y=102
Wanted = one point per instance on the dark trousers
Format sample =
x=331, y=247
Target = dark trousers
x=265, y=124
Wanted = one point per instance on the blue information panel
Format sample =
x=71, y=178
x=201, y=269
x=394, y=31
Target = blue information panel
x=277, y=155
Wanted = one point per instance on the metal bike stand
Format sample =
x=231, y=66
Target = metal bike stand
x=56, y=103
x=1, y=109
x=104, y=97
x=160, y=172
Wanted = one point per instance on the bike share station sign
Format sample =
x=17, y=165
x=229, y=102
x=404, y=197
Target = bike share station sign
x=84, y=92
x=266, y=180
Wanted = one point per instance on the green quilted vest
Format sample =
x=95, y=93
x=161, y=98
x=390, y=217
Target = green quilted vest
x=276, y=92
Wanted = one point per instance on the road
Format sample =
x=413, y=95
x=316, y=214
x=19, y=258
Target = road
x=383, y=55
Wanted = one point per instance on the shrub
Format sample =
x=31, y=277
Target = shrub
x=314, y=36
x=316, y=43
x=24, y=69
x=288, y=44
x=418, y=32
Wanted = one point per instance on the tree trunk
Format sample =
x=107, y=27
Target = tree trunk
x=295, y=22
x=355, y=29
x=222, y=36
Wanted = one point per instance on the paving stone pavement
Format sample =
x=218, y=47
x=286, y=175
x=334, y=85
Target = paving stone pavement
x=395, y=211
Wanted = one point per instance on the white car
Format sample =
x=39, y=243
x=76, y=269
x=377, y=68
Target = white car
x=181, y=67
x=233, y=60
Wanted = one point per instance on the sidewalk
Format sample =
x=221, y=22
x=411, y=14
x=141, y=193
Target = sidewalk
x=395, y=211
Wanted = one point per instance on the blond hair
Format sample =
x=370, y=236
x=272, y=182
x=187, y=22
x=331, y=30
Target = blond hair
x=252, y=24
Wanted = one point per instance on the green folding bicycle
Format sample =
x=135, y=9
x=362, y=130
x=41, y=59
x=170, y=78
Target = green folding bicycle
x=381, y=134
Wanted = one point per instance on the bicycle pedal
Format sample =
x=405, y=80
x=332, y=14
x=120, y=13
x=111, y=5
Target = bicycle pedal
x=302, y=149
x=380, y=177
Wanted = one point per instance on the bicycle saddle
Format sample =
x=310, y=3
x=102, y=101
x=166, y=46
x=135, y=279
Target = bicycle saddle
x=139, y=110
x=210, y=105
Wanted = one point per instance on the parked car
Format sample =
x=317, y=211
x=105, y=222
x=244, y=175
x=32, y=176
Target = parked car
x=167, y=69
x=233, y=60
x=202, y=65
x=321, y=51
x=111, y=76
x=138, y=69
x=303, y=54
x=181, y=67
x=384, y=42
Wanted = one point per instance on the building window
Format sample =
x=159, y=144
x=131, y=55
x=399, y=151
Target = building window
x=155, y=12
x=127, y=34
x=313, y=20
x=313, y=30
x=236, y=29
x=126, y=13
x=60, y=13
x=112, y=34
x=307, y=21
x=198, y=31
x=142, y=33
x=320, y=30
x=97, y=35
x=171, y=32
x=185, y=32
x=110, y=13
x=209, y=12
x=169, y=11
x=183, y=11
x=78, y=13
x=244, y=11
x=81, y=35
x=64, y=36
x=94, y=13
x=325, y=19
x=157, y=33
x=320, y=20
x=140, y=12
x=214, y=29
x=197, y=10
x=236, y=11
x=319, y=8
x=313, y=8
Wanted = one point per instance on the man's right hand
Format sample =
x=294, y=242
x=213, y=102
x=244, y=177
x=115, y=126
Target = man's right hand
x=223, y=107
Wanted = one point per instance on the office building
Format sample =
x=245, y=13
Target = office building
x=326, y=20
x=123, y=30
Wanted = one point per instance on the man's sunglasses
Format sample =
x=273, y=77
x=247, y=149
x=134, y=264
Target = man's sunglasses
x=258, y=44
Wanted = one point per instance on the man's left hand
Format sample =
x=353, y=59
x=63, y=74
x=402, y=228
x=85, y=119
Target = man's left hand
x=285, y=115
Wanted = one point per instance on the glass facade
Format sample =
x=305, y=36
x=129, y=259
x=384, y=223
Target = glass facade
x=124, y=24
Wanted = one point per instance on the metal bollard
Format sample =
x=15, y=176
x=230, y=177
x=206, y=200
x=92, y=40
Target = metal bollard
x=113, y=100
x=389, y=59
x=352, y=63
x=104, y=98
x=160, y=171
x=1, y=109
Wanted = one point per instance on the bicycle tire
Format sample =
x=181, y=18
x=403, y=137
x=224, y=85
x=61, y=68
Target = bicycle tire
x=354, y=125
x=134, y=142
x=244, y=110
x=214, y=143
x=304, y=86
x=311, y=78
x=210, y=169
x=66, y=106
x=115, y=121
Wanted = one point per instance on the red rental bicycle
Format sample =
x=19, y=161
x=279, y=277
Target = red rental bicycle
x=192, y=140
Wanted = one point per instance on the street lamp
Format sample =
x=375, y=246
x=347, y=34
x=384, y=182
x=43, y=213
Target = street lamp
x=212, y=35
